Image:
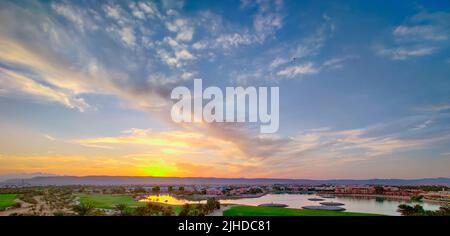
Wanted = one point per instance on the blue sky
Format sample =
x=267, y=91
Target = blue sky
x=85, y=87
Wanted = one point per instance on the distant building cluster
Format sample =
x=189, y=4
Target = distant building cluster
x=393, y=191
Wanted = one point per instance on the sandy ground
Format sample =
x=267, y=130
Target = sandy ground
x=41, y=208
x=219, y=212
x=25, y=208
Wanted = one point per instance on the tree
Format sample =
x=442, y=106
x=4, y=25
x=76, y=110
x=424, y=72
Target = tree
x=212, y=204
x=118, y=190
x=156, y=189
x=139, y=190
x=199, y=210
x=59, y=213
x=181, y=189
x=168, y=211
x=121, y=208
x=406, y=210
x=170, y=189
x=416, y=210
x=443, y=211
x=255, y=191
x=379, y=189
x=83, y=209
x=152, y=209
x=416, y=198
x=185, y=210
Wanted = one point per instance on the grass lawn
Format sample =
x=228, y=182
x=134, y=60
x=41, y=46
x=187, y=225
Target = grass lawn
x=176, y=208
x=274, y=211
x=7, y=200
x=107, y=201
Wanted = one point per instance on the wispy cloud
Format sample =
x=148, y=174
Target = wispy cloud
x=13, y=82
x=433, y=107
x=423, y=34
x=294, y=60
x=403, y=53
x=135, y=52
x=49, y=137
x=423, y=125
x=420, y=33
x=293, y=71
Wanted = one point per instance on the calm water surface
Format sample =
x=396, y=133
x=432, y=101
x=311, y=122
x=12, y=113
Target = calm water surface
x=352, y=204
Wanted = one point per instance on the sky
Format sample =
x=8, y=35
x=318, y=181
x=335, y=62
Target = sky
x=85, y=87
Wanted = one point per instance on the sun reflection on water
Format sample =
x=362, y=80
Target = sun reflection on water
x=167, y=199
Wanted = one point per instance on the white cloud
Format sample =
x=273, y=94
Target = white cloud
x=127, y=36
x=143, y=10
x=182, y=28
x=266, y=24
x=112, y=12
x=14, y=82
x=228, y=41
x=337, y=62
x=49, y=137
x=402, y=53
x=177, y=58
x=136, y=11
x=187, y=75
x=420, y=32
x=150, y=8
x=290, y=60
x=185, y=34
x=166, y=57
x=173, y=43
x=423, y=125
x=184, y=55
x=70, y=14
x=423, y=34
x=277, y=62
x=292, y=71
x=199, y=45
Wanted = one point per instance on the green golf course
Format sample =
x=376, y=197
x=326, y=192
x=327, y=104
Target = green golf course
x=106, y=201
x=110, y=201
x=7, y=200
x=274, y=211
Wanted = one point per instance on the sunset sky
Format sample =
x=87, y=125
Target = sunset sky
x=85, y=87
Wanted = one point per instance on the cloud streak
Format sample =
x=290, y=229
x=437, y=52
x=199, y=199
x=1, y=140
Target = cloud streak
x=424, y=34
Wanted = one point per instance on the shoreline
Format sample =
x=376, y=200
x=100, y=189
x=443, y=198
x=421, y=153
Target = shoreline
x=390, y=197
x=205, y=197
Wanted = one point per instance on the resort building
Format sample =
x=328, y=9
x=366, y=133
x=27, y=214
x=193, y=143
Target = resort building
x=355, y=189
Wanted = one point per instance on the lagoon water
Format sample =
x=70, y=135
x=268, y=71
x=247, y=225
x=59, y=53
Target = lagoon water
x=352, y=204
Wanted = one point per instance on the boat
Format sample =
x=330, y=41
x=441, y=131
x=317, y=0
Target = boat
x=273, y=205
x=327, y=196
x=315, y=199
x=326, y=208
x=332, y=204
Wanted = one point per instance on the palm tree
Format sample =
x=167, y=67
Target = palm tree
x=407, y=210
x=83, y=209
x=185, y=210
x=121, y=208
